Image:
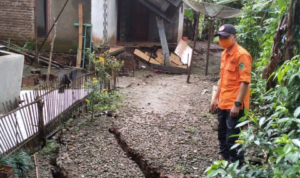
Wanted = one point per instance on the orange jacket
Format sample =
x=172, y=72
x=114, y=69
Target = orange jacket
x=235, y=68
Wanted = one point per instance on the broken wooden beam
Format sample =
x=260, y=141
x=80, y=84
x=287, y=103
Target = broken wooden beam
x=145, y=57
x=171, y=70
x=116, y=50
x=17, y=49
x=41, y=59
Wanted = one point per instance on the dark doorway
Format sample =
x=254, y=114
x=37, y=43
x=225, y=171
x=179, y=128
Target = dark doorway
x=41, y=17
x=133, y=21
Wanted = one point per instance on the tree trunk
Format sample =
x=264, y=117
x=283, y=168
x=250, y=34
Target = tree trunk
x=289, y=44
x=279, y=56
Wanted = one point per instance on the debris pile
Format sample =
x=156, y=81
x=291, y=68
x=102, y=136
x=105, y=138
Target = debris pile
x=157, y=58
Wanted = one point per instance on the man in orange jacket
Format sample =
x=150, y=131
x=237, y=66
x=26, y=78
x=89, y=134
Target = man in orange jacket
x=233, y=94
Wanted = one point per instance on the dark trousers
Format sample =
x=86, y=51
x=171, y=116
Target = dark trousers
x=226, y=128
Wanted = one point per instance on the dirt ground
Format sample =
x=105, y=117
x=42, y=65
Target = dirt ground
x=166, y=122
x=163, y=129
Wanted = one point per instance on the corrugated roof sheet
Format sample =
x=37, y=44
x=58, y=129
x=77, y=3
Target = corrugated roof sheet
x=213, y=10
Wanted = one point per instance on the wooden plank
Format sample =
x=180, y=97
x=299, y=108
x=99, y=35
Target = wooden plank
x=184, y=51
x=115, y=50
x=143, y=56
x=175, y=59
x=160, y=56
x=171, y=70
x=41, y=59
x=174, y=65
x=79, y=36
x=183, y=66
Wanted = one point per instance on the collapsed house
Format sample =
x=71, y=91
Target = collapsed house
x=135, y=23
x=114, y=21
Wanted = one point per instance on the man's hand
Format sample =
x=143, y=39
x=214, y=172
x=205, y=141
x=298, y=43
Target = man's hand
x=234, y=112
x=214, y=106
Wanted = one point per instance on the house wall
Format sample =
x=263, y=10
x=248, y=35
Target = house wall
x=98, y=20
x=11, y=71
x=16, y=19
x=67, y=33
x=180, y=24
x=172, y=29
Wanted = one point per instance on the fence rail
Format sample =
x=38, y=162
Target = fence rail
x=41, y=112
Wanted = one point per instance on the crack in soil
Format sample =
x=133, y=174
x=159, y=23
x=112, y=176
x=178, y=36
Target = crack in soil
x=58, y=171
x=148, y=170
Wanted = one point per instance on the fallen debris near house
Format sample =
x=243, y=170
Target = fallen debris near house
x=116, y=50
x=157, y=61
x=44, y=60
x=146, y=58
x=184, y=51
x=130, y=63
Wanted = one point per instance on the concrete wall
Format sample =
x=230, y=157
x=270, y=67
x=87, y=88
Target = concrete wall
x=11, y=71
x=180, y=23
x=16, y=19
x=98, y=19
x=67, y=33
x=113, y=21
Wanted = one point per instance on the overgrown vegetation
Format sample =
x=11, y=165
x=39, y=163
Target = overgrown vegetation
x=50, y=147
x=20, y=161
x=273, y=126
x=107, y=69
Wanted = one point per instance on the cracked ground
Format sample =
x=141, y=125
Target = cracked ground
x=163, y=129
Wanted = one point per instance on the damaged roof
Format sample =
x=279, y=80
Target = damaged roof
x=166, y=9
x=213, y=10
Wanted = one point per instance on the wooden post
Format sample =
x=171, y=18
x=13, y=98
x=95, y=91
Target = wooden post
x=51, y=52
x=114, y=77
x=80, y=36
x=194, y=45
x=36, y=58
x=41, y=124
x=208, y=45
x=36, y=163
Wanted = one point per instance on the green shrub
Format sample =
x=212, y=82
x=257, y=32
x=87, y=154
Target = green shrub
x=20, y=161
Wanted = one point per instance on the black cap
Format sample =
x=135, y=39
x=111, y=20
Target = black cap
x=226, y=30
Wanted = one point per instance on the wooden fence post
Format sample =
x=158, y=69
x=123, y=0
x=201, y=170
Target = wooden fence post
x=42, y=131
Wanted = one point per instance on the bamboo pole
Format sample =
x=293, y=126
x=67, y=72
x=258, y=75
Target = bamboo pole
x=36, y=163
x=194, y=45
x=51, y=53
x=208, y=45
x=79, y=36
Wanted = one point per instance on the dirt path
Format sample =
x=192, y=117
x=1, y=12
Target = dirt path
x=163, y=129
x=165, y=123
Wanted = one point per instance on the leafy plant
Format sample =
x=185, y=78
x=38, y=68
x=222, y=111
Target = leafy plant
x=50, y=147
x=20, y=161
x=273, y=126
x=107, y=67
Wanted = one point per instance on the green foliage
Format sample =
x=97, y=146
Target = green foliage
x=273, y=127
x=188, y=13
x=20, y=161
x=100, y=100
x=69, y=122
x=50, y=147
